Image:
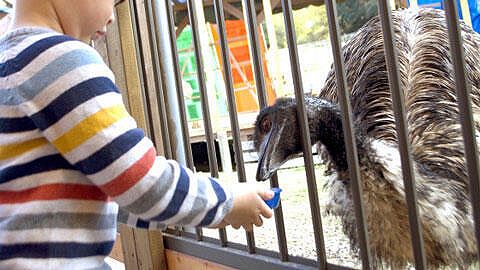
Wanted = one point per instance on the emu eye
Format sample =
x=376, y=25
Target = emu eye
x=266, y=125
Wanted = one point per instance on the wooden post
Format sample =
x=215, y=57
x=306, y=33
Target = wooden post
x=142, y=249
x=224, y=150
x=149, y=83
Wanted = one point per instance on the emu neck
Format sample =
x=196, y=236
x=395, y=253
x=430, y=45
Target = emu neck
x=326, y=128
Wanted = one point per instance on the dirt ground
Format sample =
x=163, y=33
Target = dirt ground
x=297, y=217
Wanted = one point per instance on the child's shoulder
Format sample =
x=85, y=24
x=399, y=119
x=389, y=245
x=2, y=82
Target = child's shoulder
x=37, y=41
x=35, y=59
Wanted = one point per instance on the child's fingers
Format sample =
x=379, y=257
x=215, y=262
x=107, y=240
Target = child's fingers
x=258, y=222
x=266, y=194
x=248, y=227
x=265, y=210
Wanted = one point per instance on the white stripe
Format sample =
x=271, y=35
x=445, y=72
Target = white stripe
x=81, y=112
x=114, y=264
x=42, y=60
x=209, y=193
x=122, y=163
x=94, y=262
x=56, y=235
x=7, y=111
x=38, y=64
x=154, y=225
x=218, y=216
x=132, y=220
x=187, y=204
x=164, y=200
x=142, y=186
x=38, y=152
x=67, y=206
x=102, y=138
x=64, y=83
x=51, y=177
x=14, y=51
x=18, y=137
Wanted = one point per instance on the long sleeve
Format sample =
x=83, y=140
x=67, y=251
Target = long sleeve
x=75, y=104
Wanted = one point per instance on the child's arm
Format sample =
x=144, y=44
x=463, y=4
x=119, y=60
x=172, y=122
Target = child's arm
x=80, y=111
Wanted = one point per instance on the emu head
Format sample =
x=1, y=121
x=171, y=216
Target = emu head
x=276, y=137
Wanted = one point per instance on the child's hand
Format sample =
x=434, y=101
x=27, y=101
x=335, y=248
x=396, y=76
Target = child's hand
x=248, y=205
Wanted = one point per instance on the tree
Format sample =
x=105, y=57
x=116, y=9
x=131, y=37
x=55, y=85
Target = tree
x=311, y=22
x=310, y=25
x=352, y=14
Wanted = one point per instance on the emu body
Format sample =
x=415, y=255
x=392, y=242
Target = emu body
x=434, y=133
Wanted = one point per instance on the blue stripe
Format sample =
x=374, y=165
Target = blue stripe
x=48, y=75
x=70, y=99
x=17, y=124
x=181, y=191
x=55, y=250
x=221, y=198
x=110, y=152
x=142, y=224
x=26, y=56
x=43, y=164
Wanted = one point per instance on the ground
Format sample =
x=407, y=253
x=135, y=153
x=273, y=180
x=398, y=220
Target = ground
x=297, y=217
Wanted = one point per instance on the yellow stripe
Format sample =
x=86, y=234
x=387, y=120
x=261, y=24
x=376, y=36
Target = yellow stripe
x=12, y=150
x=89, y=127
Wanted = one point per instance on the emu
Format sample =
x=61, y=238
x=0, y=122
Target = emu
x=434, y=133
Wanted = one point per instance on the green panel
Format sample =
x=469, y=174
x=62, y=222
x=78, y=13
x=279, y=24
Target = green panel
x=188, y=67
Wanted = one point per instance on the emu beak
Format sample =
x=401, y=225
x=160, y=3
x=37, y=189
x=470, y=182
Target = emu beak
x=268, y=159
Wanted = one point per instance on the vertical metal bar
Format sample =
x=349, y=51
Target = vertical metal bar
x=465, y=110
x=204, y=99
x=305, y=133
x=280, y=225
x=352, y=158
x=155, y=47
x=262, y=98
x=249, y=6
x=402, y=134
x=181, y=101
x=232, y=107
x=153, y=27
x=178, y=83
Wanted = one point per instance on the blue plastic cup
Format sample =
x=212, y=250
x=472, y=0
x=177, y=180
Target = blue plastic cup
x=275, y=201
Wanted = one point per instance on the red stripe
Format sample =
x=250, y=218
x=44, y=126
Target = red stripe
x=53, y=192
x=131, y=176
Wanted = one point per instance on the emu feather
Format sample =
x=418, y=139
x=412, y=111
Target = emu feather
x=434, y=133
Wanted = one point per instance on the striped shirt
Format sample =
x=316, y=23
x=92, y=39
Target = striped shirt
x=72, y=160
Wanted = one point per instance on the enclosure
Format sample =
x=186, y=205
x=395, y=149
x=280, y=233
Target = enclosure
x=194, y=75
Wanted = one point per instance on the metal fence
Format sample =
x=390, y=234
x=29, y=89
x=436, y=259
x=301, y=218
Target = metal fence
x=251, y=257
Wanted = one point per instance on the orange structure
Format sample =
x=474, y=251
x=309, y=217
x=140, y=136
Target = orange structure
x=242, y=69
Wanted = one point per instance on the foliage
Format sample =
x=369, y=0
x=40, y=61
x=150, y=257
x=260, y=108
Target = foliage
x=310, y=25
x=352, y=14
x=311, y=22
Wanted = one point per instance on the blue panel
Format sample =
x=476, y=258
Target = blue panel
x=474, y=7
